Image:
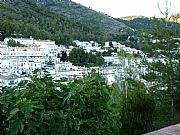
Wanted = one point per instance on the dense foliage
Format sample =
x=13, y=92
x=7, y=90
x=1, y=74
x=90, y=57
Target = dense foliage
x=81, y=58
x=95, y=20
x=64, y=57
x=137, y=108
x=43, y=106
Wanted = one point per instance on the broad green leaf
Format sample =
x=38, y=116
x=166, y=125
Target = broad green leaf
x=21, y=126
x=13, y=113
x=15, y=110
x=14, y=127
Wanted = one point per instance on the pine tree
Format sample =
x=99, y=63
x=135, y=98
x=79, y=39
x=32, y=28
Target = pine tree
x=163, y=65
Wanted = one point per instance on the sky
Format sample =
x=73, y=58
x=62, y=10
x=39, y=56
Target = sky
x=123, y=8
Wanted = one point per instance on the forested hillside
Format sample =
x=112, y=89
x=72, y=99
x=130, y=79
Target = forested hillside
x=62, y=21
x=25, y=18
x=144, y=23
x=95, y=20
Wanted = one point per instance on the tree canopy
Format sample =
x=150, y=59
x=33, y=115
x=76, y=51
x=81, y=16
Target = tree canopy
x=13, y=43
x=81, y=58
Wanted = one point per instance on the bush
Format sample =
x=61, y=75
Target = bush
x=137, y=107
x=13, y=43
x=43, y=106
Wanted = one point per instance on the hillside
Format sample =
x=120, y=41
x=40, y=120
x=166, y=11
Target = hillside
x=129, y=18
x=25, y=18
x=137, y=22
x=59, y=20
x=144, y=23
x=175, y=18
x=87, y=16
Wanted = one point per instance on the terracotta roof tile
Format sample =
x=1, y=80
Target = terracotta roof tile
x=171, y=130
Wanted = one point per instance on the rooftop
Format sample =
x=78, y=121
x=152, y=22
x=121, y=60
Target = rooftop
x=9, y=77
x=171, y=130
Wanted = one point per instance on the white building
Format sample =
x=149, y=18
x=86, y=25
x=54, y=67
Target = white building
x=49, y=47
x=23, y=41
x=114, y=44
x=4, y=65
x=64, y=66
x=24, y=52
x=88, y=46
x=69, y=74
x=9, y=80
x=20, y=66
x=112, y=59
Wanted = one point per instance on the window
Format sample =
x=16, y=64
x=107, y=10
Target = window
x=11, y=82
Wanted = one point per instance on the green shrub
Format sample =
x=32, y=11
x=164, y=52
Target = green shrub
x=43, y=106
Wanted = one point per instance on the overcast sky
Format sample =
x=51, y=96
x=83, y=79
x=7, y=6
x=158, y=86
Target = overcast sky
x=122, y=8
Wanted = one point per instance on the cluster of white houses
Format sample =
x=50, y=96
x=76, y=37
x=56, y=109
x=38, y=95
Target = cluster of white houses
x=15, y=62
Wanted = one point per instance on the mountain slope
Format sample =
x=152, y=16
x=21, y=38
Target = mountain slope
x=87, y=16
x=137, y=23
x=144, y=23
x=132, y=17
x=26, y=18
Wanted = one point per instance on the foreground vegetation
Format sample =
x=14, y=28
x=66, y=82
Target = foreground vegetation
x=45, y=106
